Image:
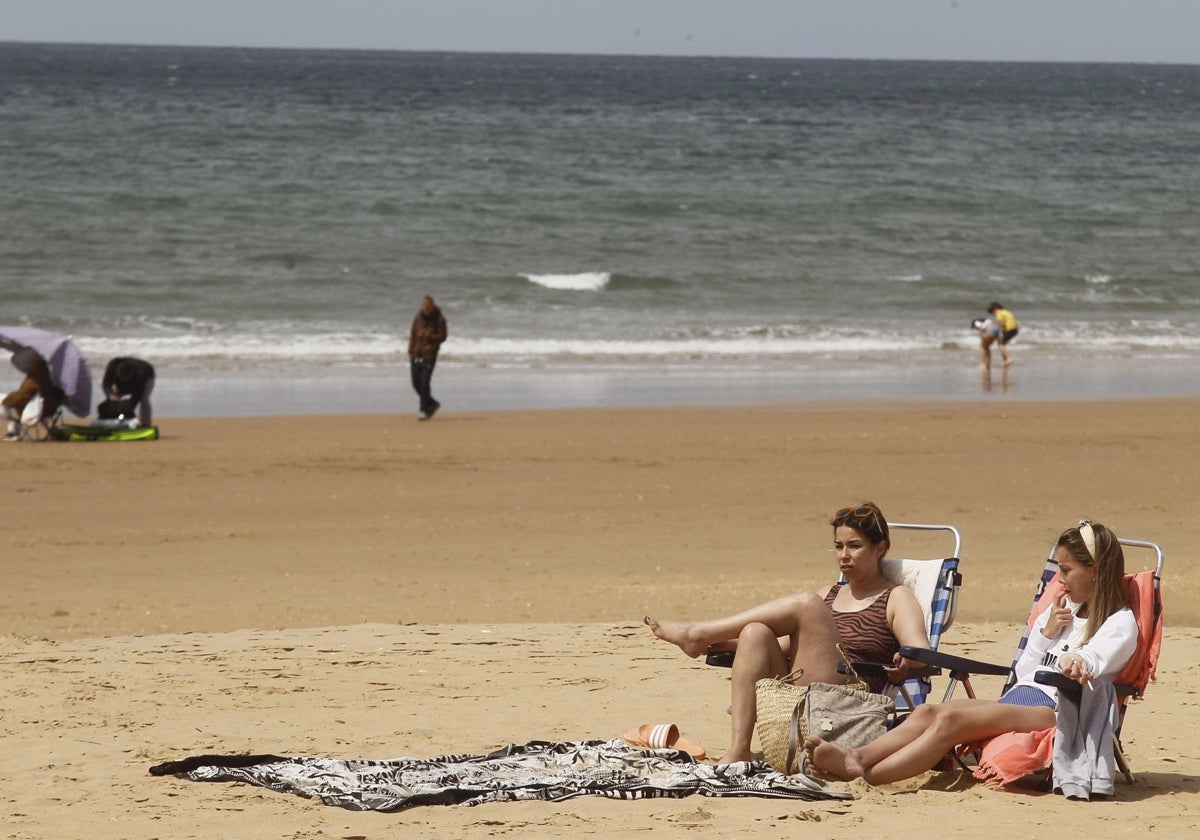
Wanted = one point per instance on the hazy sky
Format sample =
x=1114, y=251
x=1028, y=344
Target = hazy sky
x=1020, y=30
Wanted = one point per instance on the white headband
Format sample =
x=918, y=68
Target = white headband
x=1089, y=537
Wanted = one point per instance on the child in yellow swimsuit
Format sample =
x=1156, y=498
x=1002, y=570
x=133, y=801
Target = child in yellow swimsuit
x=1008, y=328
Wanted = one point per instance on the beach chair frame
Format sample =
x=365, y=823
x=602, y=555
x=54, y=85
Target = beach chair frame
x=36, y=427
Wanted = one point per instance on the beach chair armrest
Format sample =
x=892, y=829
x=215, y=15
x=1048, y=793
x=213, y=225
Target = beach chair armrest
x=953, y=664
x=1065, y=685
x=1069, y=688
x=725, y=660
x=877, y=669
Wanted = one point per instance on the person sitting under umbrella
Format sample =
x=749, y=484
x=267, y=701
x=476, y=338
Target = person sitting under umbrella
x=37, y=381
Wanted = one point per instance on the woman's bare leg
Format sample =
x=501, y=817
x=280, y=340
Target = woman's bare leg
x=846, y=764
x=809, y=643
x=785, y=616
x=759, y=655
x=985, y=354
x=920, y=742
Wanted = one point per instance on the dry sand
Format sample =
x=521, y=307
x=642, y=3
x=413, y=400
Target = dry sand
x=373, y=587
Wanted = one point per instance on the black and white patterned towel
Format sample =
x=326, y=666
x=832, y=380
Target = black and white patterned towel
x=536, y=770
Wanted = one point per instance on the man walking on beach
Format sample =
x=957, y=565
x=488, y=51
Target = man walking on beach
x=428, y=333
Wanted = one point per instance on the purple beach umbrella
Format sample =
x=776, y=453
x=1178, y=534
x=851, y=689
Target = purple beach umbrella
x=68, y=368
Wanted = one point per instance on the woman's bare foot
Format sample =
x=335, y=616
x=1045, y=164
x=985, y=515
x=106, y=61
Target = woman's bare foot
x=735, y=755
x=830, y=760
x=679, y=633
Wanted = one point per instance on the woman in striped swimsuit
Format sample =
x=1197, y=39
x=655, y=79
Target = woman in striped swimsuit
x=868, y=616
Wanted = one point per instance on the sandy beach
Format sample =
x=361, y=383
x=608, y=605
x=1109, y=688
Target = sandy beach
x=373, y=587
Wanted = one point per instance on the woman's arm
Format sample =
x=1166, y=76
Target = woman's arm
x=908, y=626
x=1107, y=652
x=1037, y=645
x=906, y=618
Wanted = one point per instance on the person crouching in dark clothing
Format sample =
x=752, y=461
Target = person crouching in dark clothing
x=127, y=377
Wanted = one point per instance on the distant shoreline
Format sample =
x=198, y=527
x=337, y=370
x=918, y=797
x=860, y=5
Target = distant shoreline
x=465, y=388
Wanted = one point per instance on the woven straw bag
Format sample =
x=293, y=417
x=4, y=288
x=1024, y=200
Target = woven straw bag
x=848, y=715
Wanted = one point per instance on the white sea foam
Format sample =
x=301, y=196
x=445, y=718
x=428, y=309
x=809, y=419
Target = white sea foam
x=324, y=349
x=696, y=348
x=588, y=281
x=250, y=349
x=270, y=346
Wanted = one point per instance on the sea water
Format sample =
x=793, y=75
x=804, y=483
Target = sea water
x=262, y=224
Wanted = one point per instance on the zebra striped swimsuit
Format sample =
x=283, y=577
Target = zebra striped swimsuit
x=866, y=634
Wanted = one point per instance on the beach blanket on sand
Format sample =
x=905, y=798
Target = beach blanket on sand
x=537, y=770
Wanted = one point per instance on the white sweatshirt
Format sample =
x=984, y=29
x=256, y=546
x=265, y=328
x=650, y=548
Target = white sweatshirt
x=1105, y=653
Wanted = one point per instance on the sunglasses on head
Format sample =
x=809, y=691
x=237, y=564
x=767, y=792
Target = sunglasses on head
x=862, y=514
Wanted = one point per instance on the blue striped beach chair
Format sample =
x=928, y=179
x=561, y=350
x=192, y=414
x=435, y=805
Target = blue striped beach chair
x=935, y=582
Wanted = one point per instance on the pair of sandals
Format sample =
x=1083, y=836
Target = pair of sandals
x=662, y=736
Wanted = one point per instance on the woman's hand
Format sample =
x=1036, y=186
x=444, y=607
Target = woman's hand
x=898, y=673
x=1060, y=617
x=1075, y=666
